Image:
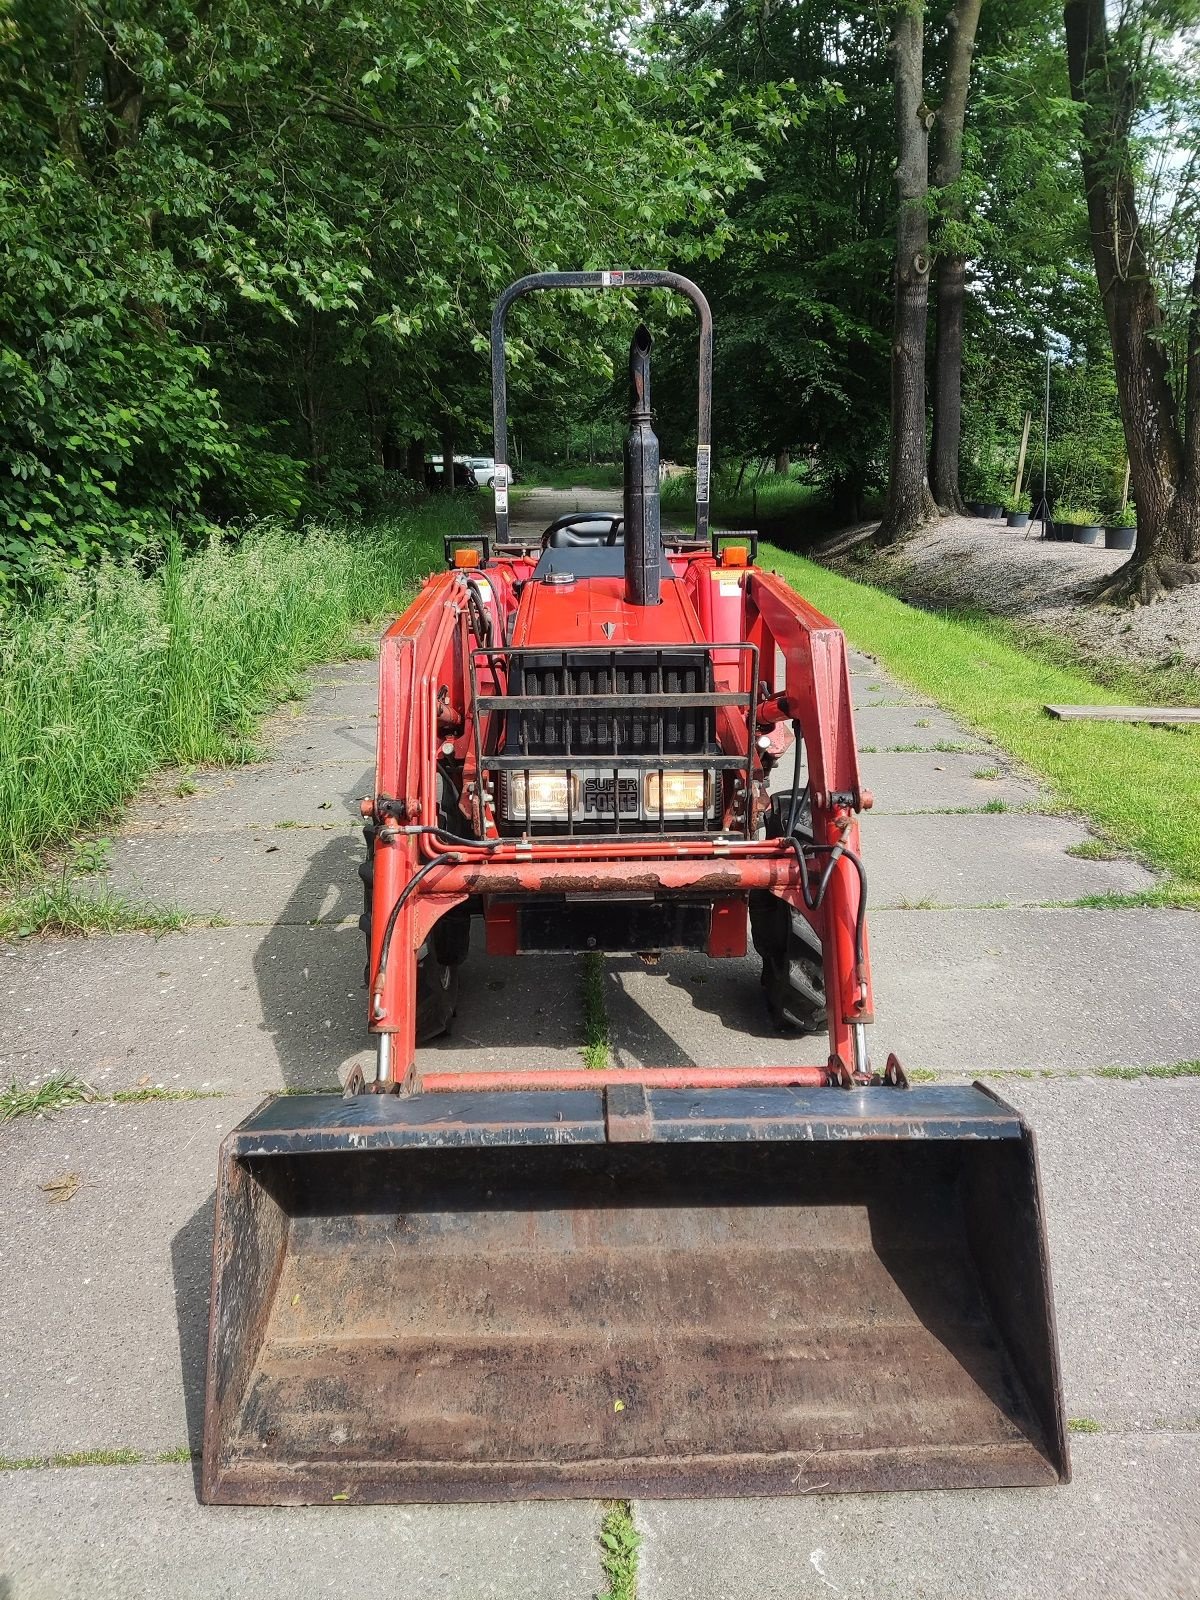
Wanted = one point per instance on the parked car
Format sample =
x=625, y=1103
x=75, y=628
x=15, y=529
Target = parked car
x=464, y=478
x=484, y=468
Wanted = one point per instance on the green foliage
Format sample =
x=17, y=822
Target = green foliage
x=571, y=475
x=619, y=1545
x=1077, y=516
x=115, y=673
x=740, y=499
x=246, y=252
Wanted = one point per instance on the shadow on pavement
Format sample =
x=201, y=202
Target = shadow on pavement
x=191, y=1256
x=310, y=975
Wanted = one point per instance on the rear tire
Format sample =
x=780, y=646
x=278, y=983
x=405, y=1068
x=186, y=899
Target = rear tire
x=793, y=974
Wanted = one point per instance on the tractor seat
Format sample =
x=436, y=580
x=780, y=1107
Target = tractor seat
x=584, y=530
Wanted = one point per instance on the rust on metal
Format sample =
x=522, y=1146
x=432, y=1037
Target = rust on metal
x=459, y=1323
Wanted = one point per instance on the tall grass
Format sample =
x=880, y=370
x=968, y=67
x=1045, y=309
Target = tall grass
x=118, y=673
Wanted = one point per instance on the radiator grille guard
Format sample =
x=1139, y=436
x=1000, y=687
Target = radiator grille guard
x=608, y=717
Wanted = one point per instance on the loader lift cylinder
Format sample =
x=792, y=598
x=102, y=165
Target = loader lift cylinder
x=643, y=528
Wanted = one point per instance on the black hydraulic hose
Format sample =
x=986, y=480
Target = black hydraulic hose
x=794, y=807
x=804, y=848
x=400, y=902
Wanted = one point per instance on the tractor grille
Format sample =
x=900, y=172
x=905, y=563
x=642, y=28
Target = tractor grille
x=608, y=717
x=581, y=728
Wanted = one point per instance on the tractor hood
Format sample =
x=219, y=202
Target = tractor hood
x=594, y=611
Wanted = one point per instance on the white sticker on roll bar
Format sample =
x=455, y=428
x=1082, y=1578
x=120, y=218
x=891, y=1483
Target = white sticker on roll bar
x=703, y=463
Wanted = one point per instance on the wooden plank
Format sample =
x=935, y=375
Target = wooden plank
x=1126, y=713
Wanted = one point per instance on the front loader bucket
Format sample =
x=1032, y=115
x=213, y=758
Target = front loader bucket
x=669, y=1292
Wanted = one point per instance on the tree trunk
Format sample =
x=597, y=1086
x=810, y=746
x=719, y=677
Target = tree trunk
x=415, y=461
x=951, y=266
x=1164, y=459
x=448, y=459
x=909, y=504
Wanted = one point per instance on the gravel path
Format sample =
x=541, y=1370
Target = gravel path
x=988, y=564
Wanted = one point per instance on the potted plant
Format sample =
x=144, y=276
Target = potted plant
x=1017, y=509
x=992, y=504
x=1121, y=532
x=1079, y=523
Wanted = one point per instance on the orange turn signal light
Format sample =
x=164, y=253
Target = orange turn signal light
x=466, y=557
x=735, y=555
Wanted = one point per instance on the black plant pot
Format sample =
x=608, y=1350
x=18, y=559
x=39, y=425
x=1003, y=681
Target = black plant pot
x=1018, y=519
x=1120, y=538
x=992, y=512
x=974, y=509
x=1089, y=535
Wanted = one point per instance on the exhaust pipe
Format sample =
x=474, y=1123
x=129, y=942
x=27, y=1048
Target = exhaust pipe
x=643, y=528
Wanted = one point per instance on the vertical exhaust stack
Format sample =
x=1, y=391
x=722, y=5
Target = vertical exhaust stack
x=643, y=528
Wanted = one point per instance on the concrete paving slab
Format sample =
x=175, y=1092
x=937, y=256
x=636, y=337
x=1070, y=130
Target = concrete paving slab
x=256, y=1009
x=1124, y=1529
x=247, y=1009
x=1008, y=856
x=884, y=726
x=357, y=701
x=310, y=794
x=259, y=875
x=514, y=1013
x=104, y=1309
x=112, y=1533
x=1112, y=1156
x=940, y=781
x=958, y=991
x=970, y=990
x=305, y=741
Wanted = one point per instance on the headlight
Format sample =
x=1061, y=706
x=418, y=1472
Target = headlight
x=676, y=792
x=546, y=799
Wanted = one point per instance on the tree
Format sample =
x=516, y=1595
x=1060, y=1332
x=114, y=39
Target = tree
x=247, y=252
x=951, y=261
x=909, y=503
x=1111, y=74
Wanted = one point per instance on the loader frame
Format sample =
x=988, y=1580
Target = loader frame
x=427, y=651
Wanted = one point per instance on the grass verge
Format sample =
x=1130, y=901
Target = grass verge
x=619, y=1544
x=116, y=672
x=595, y=1050
x=1136, y=782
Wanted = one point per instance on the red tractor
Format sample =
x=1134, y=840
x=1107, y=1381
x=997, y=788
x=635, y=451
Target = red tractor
x=472, y=1284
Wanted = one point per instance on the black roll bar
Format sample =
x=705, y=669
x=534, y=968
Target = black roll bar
x=602, y=280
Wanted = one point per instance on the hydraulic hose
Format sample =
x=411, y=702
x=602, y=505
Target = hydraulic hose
x=401, y=900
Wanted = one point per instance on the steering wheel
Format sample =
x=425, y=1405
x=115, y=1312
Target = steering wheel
x=582, y=528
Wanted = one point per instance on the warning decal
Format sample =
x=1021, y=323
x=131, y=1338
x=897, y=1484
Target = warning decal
x=703, y=462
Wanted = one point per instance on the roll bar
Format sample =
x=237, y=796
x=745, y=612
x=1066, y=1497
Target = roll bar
x=602, y=280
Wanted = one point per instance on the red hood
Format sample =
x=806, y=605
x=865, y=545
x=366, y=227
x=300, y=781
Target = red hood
x=593, y=611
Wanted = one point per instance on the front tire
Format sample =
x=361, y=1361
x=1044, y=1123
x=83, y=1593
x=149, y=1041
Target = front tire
x=437, y=968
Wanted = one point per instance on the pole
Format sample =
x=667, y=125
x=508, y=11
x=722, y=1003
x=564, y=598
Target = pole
x=1021, y=458
x=1042, y=513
